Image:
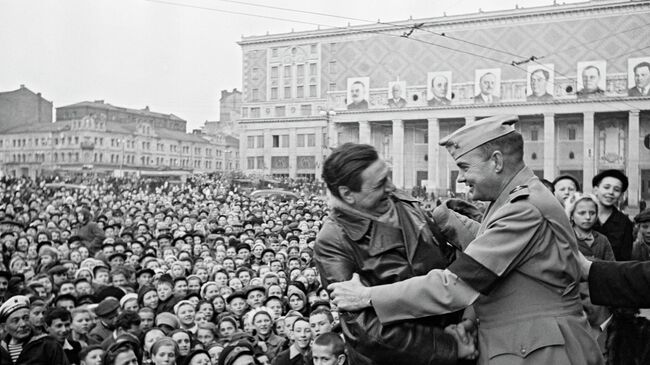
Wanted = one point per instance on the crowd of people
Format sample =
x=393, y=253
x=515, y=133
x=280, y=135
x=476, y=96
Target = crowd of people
x=126, y=271
x=133, y=271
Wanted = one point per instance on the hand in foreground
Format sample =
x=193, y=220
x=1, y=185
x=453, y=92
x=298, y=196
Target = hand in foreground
x=465, y=341
x=585, y=265
x=351, y=295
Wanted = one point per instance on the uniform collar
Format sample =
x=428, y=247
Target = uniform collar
x=519, y=179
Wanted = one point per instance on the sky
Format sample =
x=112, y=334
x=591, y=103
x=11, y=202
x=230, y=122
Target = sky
x=174, y=56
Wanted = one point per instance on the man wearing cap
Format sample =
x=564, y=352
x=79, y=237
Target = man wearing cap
x=107, y=312
x=383, y=235
x=21, y=345
x=519, y=270
x=609, y=186
x=641, y=247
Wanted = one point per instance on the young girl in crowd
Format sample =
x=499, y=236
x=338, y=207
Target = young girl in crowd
x=582, y=210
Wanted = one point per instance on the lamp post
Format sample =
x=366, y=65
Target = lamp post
x=332, y=133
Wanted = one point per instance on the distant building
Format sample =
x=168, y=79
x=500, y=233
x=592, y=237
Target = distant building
x=298, y=89
x=23, y=106
x=225, y=131
x=102, y=138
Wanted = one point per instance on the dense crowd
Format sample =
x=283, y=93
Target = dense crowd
x=187, y=273
x=134, y=271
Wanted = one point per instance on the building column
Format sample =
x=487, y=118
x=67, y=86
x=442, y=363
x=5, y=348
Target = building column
x=319, y=153
x=365, y=132
x=332, y=134
x=469, y=120
x=293, y=153
x=398, y=153
x=632, y=163
x=433, y=163
x=268, y=147
x=588, y=166
x=549, y=146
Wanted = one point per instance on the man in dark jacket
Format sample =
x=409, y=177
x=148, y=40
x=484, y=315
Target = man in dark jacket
x=21, y=346
x=89, y=231
x=384, y=236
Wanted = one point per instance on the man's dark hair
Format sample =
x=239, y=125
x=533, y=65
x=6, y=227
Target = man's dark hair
x=641, y=65
x=343, y=167
x=546, y=74
x=63, y=297
x=592, y=66
x=56, y=313
x=87, y=350
x=333, y=341
x=127, y=319
x=511, y=146
x=324, y=311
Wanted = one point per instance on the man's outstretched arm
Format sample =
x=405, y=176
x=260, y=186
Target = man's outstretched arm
x=620, y=284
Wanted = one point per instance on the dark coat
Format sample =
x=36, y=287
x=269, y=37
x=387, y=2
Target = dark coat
x=39, y=350
x=381, y=254
x=618, y=230
x=620, y=284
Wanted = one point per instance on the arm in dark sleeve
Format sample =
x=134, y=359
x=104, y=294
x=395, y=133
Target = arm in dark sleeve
x=628, y=239
x=403, y=342
x=620, y=284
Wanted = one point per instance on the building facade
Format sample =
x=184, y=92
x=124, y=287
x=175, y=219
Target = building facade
x=102, y=138
x=577, y=76
x=23, y=106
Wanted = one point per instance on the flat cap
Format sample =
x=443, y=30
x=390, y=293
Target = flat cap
x=616, y=174
x=107, y=306
x=478, y=133
x=643, y=217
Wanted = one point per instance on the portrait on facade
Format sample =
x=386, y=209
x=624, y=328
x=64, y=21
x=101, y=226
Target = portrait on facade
x=358, y=93
x=638, y=76
x=487, y=86
x=592, y=79
x=540, y=82
x=397, y=94
x=439, y=88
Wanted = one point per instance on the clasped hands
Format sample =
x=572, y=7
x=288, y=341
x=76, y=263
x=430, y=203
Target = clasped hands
x=352, y=296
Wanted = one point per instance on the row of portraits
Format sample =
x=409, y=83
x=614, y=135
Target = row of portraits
x=540, y=82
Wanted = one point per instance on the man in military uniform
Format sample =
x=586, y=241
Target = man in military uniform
x=519, y=269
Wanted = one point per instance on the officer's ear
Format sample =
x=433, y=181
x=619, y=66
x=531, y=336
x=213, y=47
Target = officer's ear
x=340, y=360
x=346, y=195
x=497, y=160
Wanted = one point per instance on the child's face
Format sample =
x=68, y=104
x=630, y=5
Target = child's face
x=585, y=215
x=164, y=291
x=94, y=357
x=644, y=231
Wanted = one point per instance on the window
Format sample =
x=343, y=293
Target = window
x=255, y=112
x=255, y=94
x=284, y=140
x=274, y=93
x=276, y=141
x=300, y=71
x=313, y=48
x=332, y=67
x=305, y=110
x=287, y=92
x=260, y=141
x=311, y=140
x=280, y=111
x=332, y=86
x=287, y=72
x=312, y=69
x=312, y=91
x=300, y=92
x=572, y=133
x=274, y=72
x=255, y=73
x=274, y=52
x=260, y=162
x=533, y=135
x=300, y=140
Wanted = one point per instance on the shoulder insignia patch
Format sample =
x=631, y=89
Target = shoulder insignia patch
x=519, y=192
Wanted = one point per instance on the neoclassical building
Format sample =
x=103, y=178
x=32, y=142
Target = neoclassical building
x=575, y=74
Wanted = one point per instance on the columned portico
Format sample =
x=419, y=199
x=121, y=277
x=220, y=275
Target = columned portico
x=549, y=147
x=588, y=151
x=632, y=170
x=398, y=153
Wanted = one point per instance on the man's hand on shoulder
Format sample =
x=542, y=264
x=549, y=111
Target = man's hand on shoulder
x=351, y=295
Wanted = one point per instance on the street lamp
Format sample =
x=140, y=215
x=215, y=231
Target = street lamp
x=331, y=126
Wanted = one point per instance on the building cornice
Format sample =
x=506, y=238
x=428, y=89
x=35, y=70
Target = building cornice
x=494, y=18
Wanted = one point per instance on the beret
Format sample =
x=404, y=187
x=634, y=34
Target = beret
x=473, y=135
x=12, y=305
x=611, y=173
x=167, y=319
x=127, y=297
x=57, y=270
x=643, y=217
x=233, y=352
x=236, y=294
